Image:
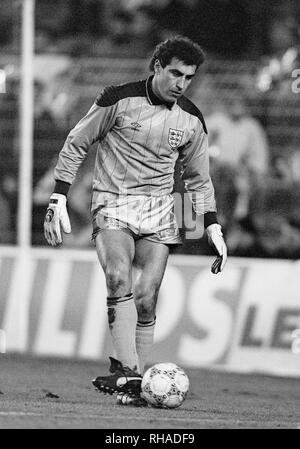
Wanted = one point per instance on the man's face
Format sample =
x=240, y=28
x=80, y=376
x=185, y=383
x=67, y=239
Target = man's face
x=170, y=82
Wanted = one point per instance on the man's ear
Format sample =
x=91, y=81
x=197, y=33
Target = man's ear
x=157, y=66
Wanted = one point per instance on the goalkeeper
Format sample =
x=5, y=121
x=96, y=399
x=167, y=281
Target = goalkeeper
x=141, y=129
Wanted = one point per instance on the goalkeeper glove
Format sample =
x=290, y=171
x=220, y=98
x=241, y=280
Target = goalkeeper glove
x=56, y=217
x=216, y=241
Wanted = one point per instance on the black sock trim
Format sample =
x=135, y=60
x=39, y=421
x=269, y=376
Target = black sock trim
x=112, y=301
x=119, y=297
x=146, y=323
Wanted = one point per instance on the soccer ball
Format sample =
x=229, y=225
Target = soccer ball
x=165, y=385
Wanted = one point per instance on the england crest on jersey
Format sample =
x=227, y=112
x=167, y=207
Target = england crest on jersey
x=175, y=137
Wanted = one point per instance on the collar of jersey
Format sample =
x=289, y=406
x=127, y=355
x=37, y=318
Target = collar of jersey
x=152, y=98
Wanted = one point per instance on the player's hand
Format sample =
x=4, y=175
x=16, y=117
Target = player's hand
x=56, y=218
x=216, y=241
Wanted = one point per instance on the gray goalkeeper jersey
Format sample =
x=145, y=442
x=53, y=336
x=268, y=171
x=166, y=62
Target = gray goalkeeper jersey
x=140, y=138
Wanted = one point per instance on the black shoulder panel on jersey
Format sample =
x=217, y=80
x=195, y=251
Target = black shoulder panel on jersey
x=188, y=106
x=112, y=94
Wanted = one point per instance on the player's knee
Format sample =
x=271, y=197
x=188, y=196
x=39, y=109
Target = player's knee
x=117, y=279
x=145, y=292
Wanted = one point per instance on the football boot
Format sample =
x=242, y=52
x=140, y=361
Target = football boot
x=122, y=380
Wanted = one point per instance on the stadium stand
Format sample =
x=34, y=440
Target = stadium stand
x=219, y=80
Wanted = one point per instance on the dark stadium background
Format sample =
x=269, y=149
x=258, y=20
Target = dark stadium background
x=88, y=44
x=252, y=60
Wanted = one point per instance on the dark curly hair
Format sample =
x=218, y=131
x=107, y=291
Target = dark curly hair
x=180, y=47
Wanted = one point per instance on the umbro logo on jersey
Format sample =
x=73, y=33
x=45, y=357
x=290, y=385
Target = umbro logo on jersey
x=175, y=137
x=135, y=125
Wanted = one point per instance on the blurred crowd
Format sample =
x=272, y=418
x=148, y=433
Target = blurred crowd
x=254, y=137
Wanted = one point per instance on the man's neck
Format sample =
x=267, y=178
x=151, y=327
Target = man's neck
x=155, y=89
x=154, y=95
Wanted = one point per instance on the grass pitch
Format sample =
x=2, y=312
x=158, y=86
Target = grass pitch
x=58, y=394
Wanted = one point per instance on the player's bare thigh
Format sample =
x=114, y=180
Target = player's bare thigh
x=149, y=267
x=115, y=250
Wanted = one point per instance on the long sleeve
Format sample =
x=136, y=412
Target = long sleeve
x=195, y=173
x=91, y=128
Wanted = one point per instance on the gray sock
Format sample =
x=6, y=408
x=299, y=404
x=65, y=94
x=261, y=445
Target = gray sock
x=122, y=320
x=144, y=337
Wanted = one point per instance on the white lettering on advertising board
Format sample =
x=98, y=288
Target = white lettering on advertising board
x=243, y=319
x=50, y=338
x=212, y=315
x=269, y=312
